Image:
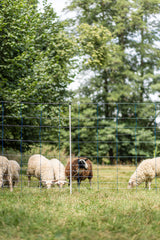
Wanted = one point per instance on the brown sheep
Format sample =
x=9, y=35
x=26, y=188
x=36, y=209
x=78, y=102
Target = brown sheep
x=81, y=169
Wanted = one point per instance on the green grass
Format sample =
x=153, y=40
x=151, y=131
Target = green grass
x=33, y=213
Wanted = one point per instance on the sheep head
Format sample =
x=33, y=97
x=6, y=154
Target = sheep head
x=82, y=163
x=132, y=184
x=48, y=183
x=60, y=183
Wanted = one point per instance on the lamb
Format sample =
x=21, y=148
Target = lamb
x=81, y=169
x=59, y=172
x=5, y=172
x=41, y=168
x=14, y=172
x=146, y=172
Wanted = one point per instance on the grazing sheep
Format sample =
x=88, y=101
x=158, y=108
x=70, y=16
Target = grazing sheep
x=14, y=172
x=146, y=172
x=81, y=169
x=41, y=168
x=59, y=172
x=5, y=173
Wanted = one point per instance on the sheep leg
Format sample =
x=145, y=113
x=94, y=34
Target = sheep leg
x=10, y=183
x=15, y=183
x=90, y=182
x=29, y=180
x=150, y=185
x=78, y=182
x=146, y=184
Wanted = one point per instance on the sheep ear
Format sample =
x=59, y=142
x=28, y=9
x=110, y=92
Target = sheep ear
x=85, y=159
x=131, y=183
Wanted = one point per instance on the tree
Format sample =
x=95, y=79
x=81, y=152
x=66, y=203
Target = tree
x=36, y=59
x=124, y=57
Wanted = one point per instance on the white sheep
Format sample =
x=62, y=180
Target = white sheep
x=59, y=172
x=5, y=173
x=41, y=168
x=146, y=172
x=14, y=171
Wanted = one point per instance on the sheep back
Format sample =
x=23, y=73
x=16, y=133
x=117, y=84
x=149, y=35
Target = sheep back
x=146, y=171
x=14, y=170
x=41, y=168
x=59, y=171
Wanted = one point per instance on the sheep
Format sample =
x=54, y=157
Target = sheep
x=5, y=173
x=14, y=172
x=146, y=172
x=59, y=172
x=41, y=168
x=81, y=169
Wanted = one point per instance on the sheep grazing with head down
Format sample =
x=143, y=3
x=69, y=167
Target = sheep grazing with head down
x=81, y=169
x=41, y=168
x=59, y=172
x=14, y=172
x=147, y=170
x=5, y=173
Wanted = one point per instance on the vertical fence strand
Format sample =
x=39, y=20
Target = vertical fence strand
x=117, y=144
x=40, y=144
x=135, y=113
x=155, y=135
x=2, y=126
x=21, y=142
x=78, y=129
x=97, y=148
x=59, y=138
x=2, y=133
x=70, y=144
x=78, y=141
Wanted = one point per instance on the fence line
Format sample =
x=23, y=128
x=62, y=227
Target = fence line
x=69, y=125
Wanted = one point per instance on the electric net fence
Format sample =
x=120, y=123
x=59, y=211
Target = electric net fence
x=116, y=137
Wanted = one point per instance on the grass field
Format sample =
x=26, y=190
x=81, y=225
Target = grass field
x=112, y=212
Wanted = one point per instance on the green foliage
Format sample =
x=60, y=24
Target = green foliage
x=120, y=40
x=96, y=43
x=130, y=134
x=119, y=44
x=36, y=59
x=116, y=42
x=36, y=53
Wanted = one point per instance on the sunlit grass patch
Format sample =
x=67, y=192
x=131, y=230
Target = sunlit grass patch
x=107, y=210
x=33, y=213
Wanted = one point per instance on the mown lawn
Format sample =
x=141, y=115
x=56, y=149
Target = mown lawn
x=88, y=214
x=107, y=213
